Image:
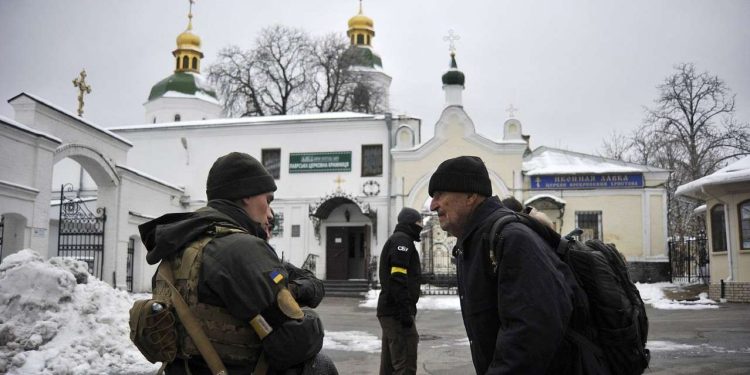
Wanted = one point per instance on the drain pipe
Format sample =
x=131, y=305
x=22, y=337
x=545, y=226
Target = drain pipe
x=389, y=125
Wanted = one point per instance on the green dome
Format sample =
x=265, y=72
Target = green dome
x=453, y=76
x=363, y=56
x=184, y=83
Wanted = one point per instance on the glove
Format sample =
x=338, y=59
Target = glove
x=405, y=318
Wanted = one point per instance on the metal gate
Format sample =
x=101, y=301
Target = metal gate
x=438, y=265
x=688, y=260
x=81, y=234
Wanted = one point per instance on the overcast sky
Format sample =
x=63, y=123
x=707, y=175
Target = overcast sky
x=577, y=70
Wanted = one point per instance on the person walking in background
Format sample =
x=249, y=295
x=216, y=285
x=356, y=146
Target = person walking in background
x=516, y=312
x=400, y=272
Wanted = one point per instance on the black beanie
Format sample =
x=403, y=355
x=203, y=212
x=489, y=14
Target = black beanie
x=464, y=174
x=408, y=216
x=238, y=175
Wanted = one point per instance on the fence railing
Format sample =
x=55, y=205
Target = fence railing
x=688, y=260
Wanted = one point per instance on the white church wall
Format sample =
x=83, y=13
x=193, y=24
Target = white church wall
x=164, y=109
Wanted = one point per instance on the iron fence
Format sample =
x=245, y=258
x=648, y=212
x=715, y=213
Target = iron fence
x=81, y=232
x=689, y=260
x=438, y=264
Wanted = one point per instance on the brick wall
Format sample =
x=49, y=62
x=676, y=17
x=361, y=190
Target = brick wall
x=733, y=291
x=648, y=272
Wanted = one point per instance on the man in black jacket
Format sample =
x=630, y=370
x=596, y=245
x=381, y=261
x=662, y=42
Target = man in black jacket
x=397, y=304
x=246, y=301
x=516, y=311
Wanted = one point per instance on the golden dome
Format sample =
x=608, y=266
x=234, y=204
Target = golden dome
x=188, y=40
x=360, y=21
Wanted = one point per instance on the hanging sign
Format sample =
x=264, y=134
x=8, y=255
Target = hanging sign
x=583, y=181
x=306, y=162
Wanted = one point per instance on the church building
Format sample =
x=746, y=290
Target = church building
x=342, y=177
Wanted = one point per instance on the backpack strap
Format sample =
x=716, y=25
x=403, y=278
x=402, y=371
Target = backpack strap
x=191, y=323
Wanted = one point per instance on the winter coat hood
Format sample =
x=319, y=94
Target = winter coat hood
x=173, y=232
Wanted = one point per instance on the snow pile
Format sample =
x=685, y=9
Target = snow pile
x=424, y=303
x=654, y=295
x=650, y=293
x=55, y=318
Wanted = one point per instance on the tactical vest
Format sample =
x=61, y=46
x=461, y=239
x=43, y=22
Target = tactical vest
x=234, y=339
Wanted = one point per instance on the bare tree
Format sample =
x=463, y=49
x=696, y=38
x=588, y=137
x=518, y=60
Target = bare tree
x=289, y=72
x=691, y=131
x=616, y=146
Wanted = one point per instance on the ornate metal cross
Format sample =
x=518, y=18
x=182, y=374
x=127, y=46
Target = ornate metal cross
x=83, y=88
x=451, y=38
x=511, y=110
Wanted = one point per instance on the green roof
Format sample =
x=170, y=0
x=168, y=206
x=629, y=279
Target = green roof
x=364, y=56
x=186, y=83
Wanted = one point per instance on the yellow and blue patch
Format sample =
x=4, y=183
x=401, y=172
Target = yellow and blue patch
x=276, y=276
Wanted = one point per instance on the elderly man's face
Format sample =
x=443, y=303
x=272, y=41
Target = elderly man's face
x=257, y=207
x=453, y=209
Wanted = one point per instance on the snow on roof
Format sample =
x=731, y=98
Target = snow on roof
x=78, y=118
x=738, y=171
x=27, y=129
x=152, y=178
x=259, y=120
x=198, y=95
x=542, y=196
x=19, y=186
x=550, y=161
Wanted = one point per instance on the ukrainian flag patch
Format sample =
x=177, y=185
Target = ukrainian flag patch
x=276, y=276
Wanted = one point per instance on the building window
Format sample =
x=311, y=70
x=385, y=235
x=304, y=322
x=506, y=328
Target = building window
x=177, y=63
x=718, y=229
x=372, y=160
x=185, y=62
x=591, y=224
x=177, y=117
x=278, y=225
x=129, y=264
x=195, y=63
x=271, y=159
x=295, y=230
x=744, y=211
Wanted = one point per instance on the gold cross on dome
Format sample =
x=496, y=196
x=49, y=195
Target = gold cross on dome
x=83, y=88
x=451, y=38
x=338, y=182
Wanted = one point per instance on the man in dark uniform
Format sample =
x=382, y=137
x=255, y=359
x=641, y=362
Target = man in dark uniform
x=233, y=282
x=515, y=312
x=397, y=304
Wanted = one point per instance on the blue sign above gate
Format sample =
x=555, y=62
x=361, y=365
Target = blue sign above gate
x=583, y=181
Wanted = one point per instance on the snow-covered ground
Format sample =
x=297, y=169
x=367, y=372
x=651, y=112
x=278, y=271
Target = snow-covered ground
x=57, y=319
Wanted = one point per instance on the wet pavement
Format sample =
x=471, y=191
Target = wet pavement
x=709, y=341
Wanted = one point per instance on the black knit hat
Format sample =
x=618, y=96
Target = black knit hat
x=408, y=216
x=238, y=175
x=464, y=174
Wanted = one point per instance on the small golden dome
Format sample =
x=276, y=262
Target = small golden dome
x=186, y=40
x=360, y=21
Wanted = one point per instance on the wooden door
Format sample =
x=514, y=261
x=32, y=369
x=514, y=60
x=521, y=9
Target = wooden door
x=337, y=253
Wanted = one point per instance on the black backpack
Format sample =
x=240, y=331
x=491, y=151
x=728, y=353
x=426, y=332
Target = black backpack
x=618, y=325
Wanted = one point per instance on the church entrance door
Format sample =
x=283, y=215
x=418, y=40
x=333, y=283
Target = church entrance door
x=347, y=252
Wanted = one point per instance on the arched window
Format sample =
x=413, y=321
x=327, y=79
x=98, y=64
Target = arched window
x=177, y=117
x=743, y=210
x=177, y=63
x=360, y=39
x=718, y=229
x=185, y=62
x=195, y=63
x=368, y=40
